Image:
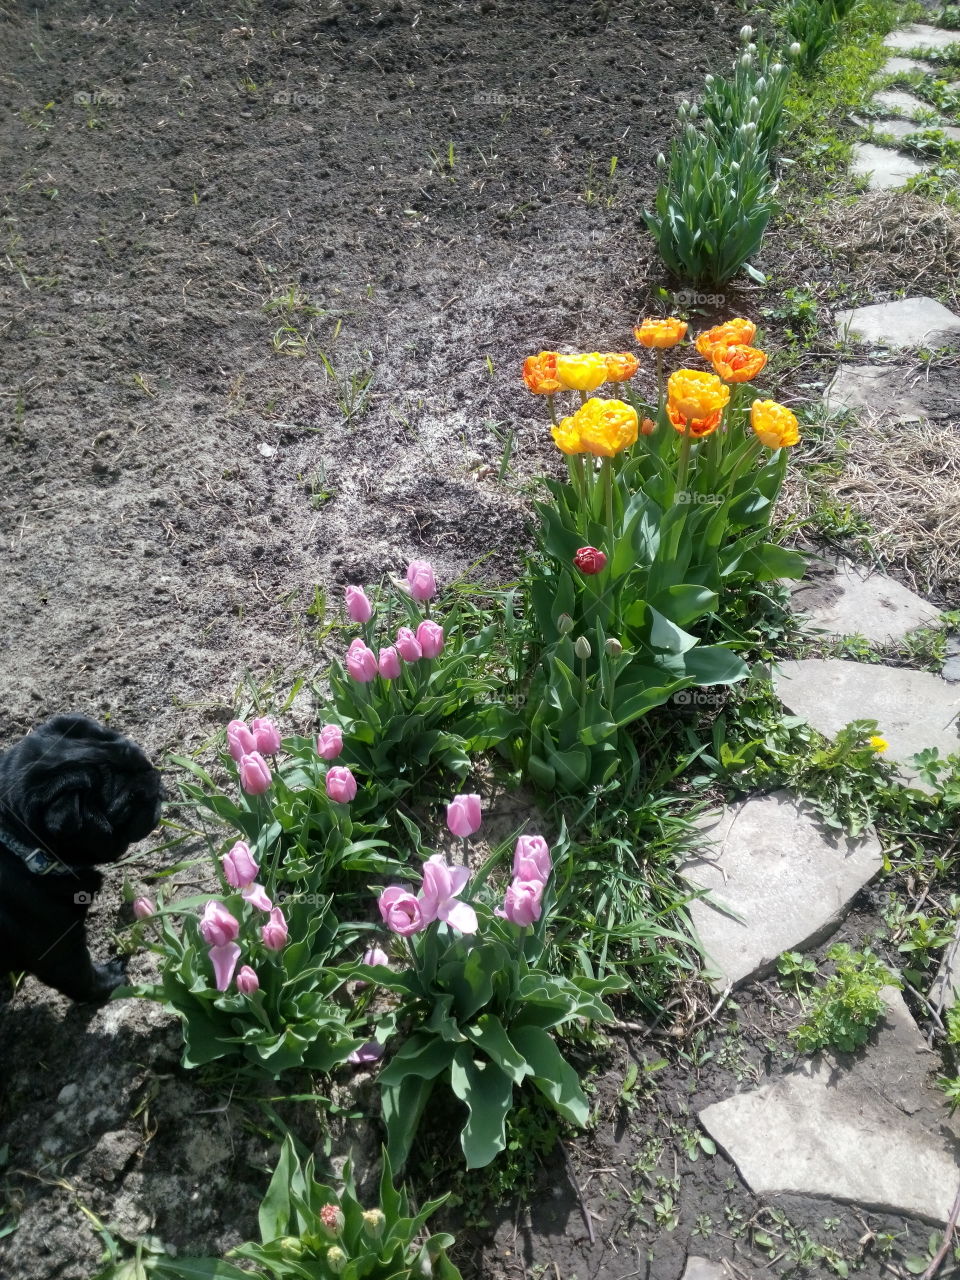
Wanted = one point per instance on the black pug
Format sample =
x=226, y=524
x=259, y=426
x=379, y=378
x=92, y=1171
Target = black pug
x=72, y=794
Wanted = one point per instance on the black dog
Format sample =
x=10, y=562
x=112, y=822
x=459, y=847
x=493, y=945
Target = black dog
x=72, y=794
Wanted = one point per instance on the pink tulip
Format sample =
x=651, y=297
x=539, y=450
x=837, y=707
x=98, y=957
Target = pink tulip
x=375, y=955
x=438, y=897
x=408, y=646
x=341, y=785
x=372, y=1051
x=359, y=608
x=256, y=895
x=400, y=911
x=224, y=960
x=267, y=736
x=217, y=925
x=361, y=662
x=144, y=908
x=240, y=741
x=463, y=815
x=247, y=981
x=274, y=933
x=330, y=742
x=531, y=859
x=421, y=582
x=430, y=638
x=239, y=866
x=521, y=903
x=389, y=665
x=255, y=777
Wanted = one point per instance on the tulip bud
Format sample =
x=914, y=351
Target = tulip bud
x=336, y=1260
x=751, y=49
x=247, y=981
x=266, y=735
x=341, y=785
x=255, y=774
x=776, y=69
x=761, y=84
x=330, y=742
x=728, y=114
x=274, y=934
x=661, y=160
x=753, y=104
x=746, y=60
x=331, y=1215
x=564, y=624
x=691, y=130
x=614, y=648
x=359, y=608
x=683, y=109
x=746, y=34
x=582, y=648
x=795, y=49
x=430, y=638
x=374, y=1222
x=709, y=81
x=750, y=128
x=143, y=908
x=389, y=663
x=694, y=111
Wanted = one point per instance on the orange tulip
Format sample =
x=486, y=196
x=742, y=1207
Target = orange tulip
x=540, y=374
x=734, y=333
x=621, y=365
x=660, y=334
x=737, y=364
x=698, y=427
x=647, y=427
x=692, y=394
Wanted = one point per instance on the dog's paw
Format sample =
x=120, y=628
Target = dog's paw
x=107, y=977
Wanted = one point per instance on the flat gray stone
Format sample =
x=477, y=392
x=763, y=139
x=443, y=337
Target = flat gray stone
x=874, y=1130
x=909, y=322
x=899, y=102
x=920, y=36
x=896, y=65
x=778, y=881
x=884, y=169
x=913, y=709
x=894, y=393
x=704, y=1269
x=842, y=599
x=879, y=390
x=946, y=985
x=901, y=129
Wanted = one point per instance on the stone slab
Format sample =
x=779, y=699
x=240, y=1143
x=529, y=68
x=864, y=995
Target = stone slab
x=899, y=102
x=842, y=599
x=946, y=985
x=704, y=1269
x=778, y=881
x=873, y=1130
x=872, y=388
x=884, y=169
x=897, y=66
x=901, y=129
x=913, y=709
x=909, y=322
x=919, y=35
x=894, y=393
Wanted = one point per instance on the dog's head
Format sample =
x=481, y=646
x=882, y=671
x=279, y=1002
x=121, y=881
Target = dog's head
x=79, y=791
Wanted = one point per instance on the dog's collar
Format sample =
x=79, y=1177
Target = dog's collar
x=35, y=860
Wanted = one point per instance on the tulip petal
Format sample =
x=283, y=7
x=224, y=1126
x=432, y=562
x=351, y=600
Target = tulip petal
x=459, y=915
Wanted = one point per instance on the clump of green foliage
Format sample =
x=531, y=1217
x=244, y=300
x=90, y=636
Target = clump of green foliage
x=848, y=1005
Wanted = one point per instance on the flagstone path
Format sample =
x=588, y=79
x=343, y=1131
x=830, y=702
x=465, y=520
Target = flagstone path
x=885, y=167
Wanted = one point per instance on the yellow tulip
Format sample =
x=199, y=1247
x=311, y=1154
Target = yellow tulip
x=606, y=427
x=775, y=425
x=583, y=372
x=695, y=395
x=566, y=436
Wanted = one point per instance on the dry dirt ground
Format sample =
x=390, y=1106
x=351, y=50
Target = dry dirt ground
x=430, y=188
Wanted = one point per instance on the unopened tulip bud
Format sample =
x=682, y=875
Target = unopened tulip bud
x=564, y=624
x=761, y=85
x=144, y=908
x=247, y=981
x=776, y=69
x=336, y=1260
x=728, y=114
x=694, y=111
x=359, y=608
x=746, y=34
x=374, y=1222
x=614, y=648
x=331, y=1215
x=255, y=774
x=582, y=648
x=795, y=49
x=709, y=81
x=661, y=160
x=751, y=49
x=746, y=60
x=754, y=104
x=750, y=128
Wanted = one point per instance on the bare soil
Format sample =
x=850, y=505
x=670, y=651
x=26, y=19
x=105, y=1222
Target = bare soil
x=185, y=480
